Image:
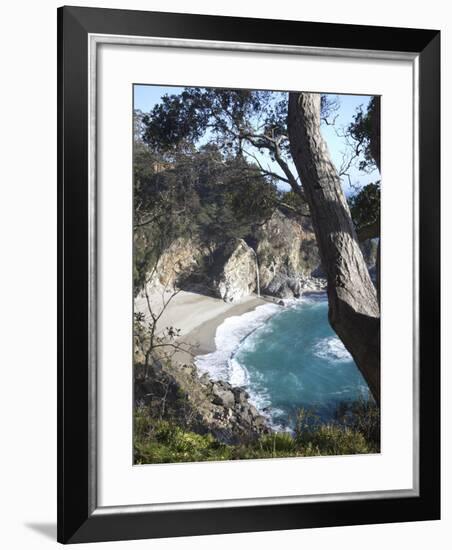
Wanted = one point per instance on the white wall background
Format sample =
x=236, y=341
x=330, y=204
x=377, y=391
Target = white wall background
x=28, y=274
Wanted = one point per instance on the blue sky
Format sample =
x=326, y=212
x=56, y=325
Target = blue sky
x=146, y=96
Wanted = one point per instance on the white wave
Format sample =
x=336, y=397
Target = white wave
x=219, y=365
x=238, y=375
x=332, y=349
x=222, y=364
x=237, y=333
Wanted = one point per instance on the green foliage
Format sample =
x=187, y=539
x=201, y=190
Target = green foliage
x=274, y=445
x=200, y=193
x=361, y=416
x=159, y=213
x=164, y=441
x=184, y=118
x=365, y=205
x=202, y=168
x=229, y=116
x=291, y=202
x=332, y=439
x=365, y=130
x=357, y=431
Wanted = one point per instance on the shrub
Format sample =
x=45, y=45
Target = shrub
x=356, y=431
x=331, y=439
x=165, y=441
x=364, y=417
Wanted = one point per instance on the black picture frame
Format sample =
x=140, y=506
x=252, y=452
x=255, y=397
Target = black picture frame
x=78, y=518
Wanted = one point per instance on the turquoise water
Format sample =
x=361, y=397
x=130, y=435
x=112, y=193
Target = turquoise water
x=294, y=360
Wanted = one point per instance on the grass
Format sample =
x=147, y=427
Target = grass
x=355, y=432
x=158, y=441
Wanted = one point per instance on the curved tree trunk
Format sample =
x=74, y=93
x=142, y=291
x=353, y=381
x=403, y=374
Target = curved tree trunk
x=353, y=307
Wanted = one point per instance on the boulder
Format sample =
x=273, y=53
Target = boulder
x=223, y=397
x=204, y=406
x=284, y=286
x=235, y=271
x=241, y=396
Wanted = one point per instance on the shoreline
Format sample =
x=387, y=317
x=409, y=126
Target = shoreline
x=197, y=316
x=203, y=336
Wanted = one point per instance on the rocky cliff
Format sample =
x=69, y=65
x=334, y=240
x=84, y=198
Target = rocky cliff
x=234, y=273
x=183, y=257
x=287, y=252
x=276, y=259
x=169, y=390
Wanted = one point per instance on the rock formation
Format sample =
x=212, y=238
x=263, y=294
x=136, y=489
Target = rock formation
x=234, y=272
x=183, y=257
x=174, y=391
x=277, y=258
x=286, y=252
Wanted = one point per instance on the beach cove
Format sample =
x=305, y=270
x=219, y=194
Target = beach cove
x=253, y=345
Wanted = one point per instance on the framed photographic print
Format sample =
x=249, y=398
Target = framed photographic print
x=248, y=274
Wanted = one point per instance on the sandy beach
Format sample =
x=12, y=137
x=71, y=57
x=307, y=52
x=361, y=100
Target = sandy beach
x=196, y=316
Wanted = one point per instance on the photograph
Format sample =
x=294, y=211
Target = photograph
x=256, y=274
x=239, y=351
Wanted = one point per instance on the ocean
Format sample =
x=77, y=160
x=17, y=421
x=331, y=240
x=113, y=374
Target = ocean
x=287, y=358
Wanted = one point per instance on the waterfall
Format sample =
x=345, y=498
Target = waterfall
x=257, y=275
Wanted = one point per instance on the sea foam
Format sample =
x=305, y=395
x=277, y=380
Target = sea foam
x=332, y=349
x=286, y=358
x=220, y=364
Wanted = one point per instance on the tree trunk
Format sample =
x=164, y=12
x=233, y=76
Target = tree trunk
x=353, y=307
